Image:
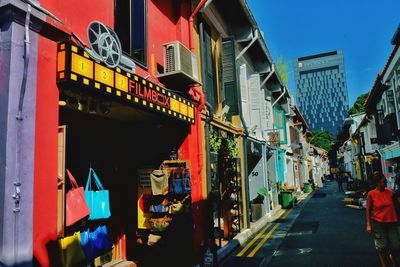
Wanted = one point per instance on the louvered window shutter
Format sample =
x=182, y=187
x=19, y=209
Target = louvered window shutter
x=244, y=93
x=254, y=89
x=243, y=83
x=208, y=68
x=229, y=76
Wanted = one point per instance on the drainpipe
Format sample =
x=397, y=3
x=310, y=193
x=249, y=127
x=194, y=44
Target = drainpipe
x=279, y=98
x=198, y=126
x=249, y=45
x=17, y=184
x=191, y=19
x=269, y=75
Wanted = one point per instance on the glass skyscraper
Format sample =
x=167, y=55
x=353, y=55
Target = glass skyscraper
x=322, y=90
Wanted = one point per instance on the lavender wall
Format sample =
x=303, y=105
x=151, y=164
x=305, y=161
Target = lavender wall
x=16, y=145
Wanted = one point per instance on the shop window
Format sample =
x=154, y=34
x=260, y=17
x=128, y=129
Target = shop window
x=131, y=28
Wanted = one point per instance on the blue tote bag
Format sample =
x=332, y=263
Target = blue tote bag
x=97, y=200
x=95, y=243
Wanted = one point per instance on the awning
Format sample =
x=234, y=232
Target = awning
x=77, y=71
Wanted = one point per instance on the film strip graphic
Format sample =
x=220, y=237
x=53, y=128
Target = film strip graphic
x=76, y=68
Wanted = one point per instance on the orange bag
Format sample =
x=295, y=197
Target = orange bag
x=76, y=208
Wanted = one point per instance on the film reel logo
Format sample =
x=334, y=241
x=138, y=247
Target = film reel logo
x=106, y=47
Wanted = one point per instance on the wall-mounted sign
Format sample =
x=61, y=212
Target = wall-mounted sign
x=76, y=68
x=280, y=124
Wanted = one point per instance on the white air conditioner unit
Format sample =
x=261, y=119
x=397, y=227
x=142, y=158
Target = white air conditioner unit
x=180, y=64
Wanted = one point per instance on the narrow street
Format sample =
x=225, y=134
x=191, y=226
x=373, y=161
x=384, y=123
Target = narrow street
x=319, y=231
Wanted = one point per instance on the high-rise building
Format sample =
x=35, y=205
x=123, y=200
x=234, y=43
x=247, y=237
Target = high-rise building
x=322, y=90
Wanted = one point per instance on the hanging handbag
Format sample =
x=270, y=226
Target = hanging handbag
x=181, y=181
x=76, y=207
x=159, y=182
x=187, y=187
x=177, y=182
x=95, y=243
x=98, y=201
x=71, y=251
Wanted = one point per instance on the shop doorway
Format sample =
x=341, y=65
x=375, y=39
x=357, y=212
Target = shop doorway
x=117, y=141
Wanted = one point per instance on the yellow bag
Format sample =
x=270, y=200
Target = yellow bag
x=71, y=250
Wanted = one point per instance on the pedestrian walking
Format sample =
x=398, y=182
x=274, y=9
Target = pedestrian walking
x=382, y=221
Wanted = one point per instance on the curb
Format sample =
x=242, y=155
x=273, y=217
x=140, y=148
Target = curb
x=243, y=237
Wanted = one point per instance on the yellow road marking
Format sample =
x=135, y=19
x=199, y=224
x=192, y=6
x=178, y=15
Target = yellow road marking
x=257, y=237
x=263, y=241
x=251, y=254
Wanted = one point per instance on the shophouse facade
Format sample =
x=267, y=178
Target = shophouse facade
x=299, y=144
x=383, y=104
x=127, y=112
x=247, y=106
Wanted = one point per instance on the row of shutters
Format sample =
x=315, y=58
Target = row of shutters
x=254, y=105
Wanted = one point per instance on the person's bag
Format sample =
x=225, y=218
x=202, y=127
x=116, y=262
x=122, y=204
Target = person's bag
x=95, y=243
x=98, y=200
x=76, y=206
x=159, y=182
x=71, y=252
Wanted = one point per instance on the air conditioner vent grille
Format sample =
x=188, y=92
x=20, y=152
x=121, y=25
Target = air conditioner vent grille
x=170, y=59
x=186, y=60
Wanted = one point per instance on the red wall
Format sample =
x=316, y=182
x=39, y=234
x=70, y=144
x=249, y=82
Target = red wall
x=45, y=187
x=164, y=25
x=76, y=15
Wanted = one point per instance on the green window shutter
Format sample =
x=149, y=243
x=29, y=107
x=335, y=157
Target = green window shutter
x=229, y=76
x=207, y=66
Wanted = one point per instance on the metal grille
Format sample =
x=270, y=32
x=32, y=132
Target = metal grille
x=170, y=58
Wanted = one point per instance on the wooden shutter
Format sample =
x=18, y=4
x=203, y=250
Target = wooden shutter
x=208, y=67
x=244, y=94
x=255, y=106
x=229, y=76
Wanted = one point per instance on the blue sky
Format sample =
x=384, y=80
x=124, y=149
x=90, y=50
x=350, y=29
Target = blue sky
x=361, y=28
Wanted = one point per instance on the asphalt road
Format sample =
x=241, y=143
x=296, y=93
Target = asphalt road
x=320, y=231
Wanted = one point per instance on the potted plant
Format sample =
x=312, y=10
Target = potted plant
x=257, y=204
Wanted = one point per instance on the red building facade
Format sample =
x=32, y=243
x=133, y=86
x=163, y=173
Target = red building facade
x=119, y=139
